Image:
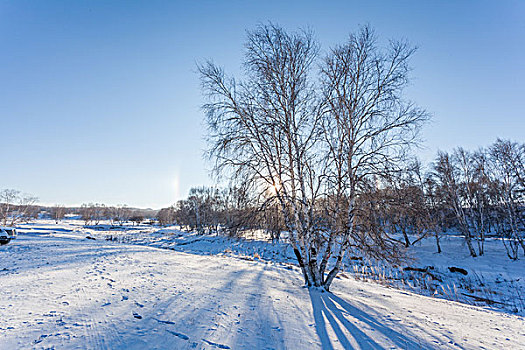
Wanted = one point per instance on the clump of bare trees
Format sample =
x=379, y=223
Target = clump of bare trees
x=58, y=212
x=16, y=207
x=137, y=217
x=166, y=216
x=119, y=214
x=94, y=213
x=485, y=192
x=228, y=211
x=307, y=128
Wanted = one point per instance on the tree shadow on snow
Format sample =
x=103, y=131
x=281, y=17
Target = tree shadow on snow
x=331, y=311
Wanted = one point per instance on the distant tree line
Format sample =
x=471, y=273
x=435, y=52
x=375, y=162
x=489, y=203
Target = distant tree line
x=476, y=194
x=17, y=207
x=95, y=213
x=231, y=211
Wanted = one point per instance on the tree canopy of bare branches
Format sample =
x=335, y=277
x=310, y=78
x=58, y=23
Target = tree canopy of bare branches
x=308, y=135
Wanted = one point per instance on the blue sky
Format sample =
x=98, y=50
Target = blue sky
x=100, y=101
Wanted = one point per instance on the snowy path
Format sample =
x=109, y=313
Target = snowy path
x=69, y=293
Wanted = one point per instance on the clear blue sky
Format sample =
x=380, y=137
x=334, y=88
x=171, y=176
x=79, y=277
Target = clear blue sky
x=100, y=102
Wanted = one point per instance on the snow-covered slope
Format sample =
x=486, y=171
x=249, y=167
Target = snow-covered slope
x=67, y=292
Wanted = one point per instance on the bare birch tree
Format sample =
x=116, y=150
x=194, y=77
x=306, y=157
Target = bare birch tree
x=508, y=170
x=309, y=140
x=265, y=129
x=368, y=127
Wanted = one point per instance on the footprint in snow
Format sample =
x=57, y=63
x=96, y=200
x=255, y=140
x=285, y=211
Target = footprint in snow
x=42, y=337
x=166, y=322
x=220, y=346
x=180, y=335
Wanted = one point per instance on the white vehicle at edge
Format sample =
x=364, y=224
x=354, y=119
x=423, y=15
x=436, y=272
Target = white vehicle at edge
x=7, y=234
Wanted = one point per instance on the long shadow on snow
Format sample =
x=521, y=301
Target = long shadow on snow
x=269, y=333
x=239, y=293
x=335, y=309
x=199, y=320
x=69, y=250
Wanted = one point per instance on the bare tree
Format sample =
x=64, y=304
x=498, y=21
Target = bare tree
x=86, y=213
x=404, y=204
x=265, y=129
x=237, y=212
x=8, y=198
x=16, y=207
x=449, y=178
x=118, y=214
x=311, y=141
x=166, y=216
x=58, y=212
x=508, y=170
x=368, y=127
x=434, y=212
x=93, y=213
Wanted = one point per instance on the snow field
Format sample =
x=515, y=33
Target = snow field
x=60, y=290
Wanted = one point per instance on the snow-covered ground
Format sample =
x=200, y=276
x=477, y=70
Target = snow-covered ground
x=60, y=290
x=492, y=280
